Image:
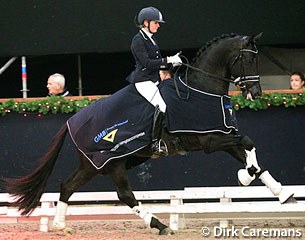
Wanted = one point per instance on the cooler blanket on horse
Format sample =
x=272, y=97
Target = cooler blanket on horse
x=113, y=127
x=190, y=110
x=121, y=124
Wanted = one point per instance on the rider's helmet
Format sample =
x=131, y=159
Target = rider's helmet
x=150, y=14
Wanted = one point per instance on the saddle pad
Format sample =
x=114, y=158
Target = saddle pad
x=113, y=127
x=196, y=111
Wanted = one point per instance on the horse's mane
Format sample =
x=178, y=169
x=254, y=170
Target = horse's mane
x=210, y=43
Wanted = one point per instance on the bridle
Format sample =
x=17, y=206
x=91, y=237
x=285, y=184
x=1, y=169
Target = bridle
x=243, y=79
x=239, y=81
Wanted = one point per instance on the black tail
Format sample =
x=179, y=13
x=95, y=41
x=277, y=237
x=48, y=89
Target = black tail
x=27, y=190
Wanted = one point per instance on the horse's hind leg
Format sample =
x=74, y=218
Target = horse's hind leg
x=118, y=173
x=245, y=152
x=79, y=177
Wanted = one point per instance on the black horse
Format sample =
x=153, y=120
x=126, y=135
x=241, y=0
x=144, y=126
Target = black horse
x=226, y=59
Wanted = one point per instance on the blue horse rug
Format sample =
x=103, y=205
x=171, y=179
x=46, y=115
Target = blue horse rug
x=193, y=111
x=121, y=124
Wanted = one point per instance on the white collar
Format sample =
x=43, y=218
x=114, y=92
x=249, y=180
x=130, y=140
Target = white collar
x=65, y=93
x=149, y=35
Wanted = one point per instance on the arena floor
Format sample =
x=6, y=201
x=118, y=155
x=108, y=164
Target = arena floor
x=132, y=229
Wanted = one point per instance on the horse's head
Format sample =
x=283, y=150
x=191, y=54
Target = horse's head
x=244, y=67
x=230, y=58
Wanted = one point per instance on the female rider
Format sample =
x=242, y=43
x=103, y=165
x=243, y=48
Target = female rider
x=148, y=60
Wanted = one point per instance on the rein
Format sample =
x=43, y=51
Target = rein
x=239, y=81
x=187, y=65
x=204, y=72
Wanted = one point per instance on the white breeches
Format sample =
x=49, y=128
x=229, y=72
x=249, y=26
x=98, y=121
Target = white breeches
x=150, y=92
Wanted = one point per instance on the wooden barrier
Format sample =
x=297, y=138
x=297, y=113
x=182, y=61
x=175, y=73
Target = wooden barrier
x=223, y=203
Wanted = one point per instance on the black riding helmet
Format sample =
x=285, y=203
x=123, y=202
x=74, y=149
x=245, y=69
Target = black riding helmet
x=150, y=14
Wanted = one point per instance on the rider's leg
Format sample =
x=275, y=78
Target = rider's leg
x=158, y=146
x=150, y=92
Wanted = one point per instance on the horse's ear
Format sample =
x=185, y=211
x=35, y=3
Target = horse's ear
x=257, y=37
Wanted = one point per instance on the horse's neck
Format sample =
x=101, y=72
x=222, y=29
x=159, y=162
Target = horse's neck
x=208, y=84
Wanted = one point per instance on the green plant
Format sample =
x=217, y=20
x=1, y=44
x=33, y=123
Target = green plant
x=64, y=105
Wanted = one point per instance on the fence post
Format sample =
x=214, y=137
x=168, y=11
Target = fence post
x=44, y=220
x=24, y=89
x=176, y=221
x=224, y=223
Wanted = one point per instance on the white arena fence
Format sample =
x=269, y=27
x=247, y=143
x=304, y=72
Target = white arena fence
x=222, y=203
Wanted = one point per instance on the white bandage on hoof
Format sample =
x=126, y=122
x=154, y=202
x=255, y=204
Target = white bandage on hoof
x=59, y=221
x=274, y=186
x=284, y=195
x=144, y=214
x=251, y=160
x=244, y=177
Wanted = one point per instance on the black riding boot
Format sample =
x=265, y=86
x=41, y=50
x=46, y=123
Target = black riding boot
x=158, y=146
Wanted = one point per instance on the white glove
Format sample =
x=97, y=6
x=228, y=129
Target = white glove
x=175, y=60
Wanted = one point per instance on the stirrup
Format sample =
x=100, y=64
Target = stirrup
x=159, y=148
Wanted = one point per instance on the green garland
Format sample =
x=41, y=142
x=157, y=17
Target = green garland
x=48, y=105
x=268, y=100
x=63, y=105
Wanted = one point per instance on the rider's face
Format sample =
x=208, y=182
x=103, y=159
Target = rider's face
x=153, y=26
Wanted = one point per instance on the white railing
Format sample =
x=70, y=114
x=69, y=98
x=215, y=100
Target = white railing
x=212, y=202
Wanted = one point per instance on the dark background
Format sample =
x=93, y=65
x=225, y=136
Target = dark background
x=279, y=142
x=51, y=34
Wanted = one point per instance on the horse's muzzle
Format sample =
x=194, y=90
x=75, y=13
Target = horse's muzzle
x=252, y=93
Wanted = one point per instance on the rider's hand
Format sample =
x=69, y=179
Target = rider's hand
x=175, y=60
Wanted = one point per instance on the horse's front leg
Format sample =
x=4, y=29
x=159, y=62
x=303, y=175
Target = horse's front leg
x=120, y=178
x=245, y=152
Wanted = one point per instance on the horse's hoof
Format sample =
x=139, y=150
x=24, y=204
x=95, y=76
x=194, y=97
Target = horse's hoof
x=286, y=196
x=166, y=231
x=69, y=231
x=58, y=227
x=291, y=199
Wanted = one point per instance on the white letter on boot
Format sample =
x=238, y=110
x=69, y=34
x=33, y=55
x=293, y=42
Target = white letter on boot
x=59, y=221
